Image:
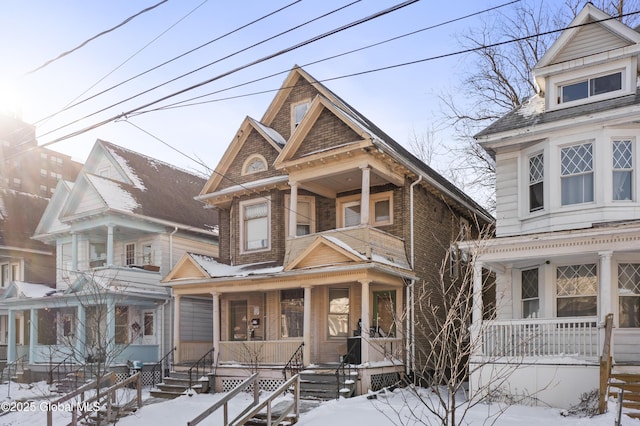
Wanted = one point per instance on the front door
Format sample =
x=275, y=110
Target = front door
x=238, y=324
x=148, y=328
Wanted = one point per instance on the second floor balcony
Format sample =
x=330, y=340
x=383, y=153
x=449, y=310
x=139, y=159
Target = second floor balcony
x=367, y=241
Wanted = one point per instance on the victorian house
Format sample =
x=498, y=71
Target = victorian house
x=327, y=227
x=116, y=231
x=566, y=253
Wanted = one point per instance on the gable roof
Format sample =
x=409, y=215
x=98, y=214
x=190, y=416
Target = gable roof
x=20, y=214
x=379, y=139
x=269, y=134
x=149, y=188
x=589, y=24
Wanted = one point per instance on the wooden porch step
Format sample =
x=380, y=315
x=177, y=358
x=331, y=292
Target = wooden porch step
x=628, y=396
x=628, y=387
x=626, y=377
x=276, y=412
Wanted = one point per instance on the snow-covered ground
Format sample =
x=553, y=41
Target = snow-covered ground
x=390, y=408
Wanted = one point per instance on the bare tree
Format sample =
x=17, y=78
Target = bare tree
x=498, y=79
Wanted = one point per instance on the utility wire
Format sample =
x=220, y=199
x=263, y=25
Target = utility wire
x=71, y=104
x=180, y=103
x=170, y=60
x=197, y=69
x=225, y=74
x=84, y=43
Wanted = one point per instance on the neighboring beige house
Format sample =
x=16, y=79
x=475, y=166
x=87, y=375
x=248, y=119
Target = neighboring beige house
x=327, y=226
x=566, y=252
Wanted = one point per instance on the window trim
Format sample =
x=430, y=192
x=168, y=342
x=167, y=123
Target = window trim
x=312, y=208
x=250, y=160
x=596, y=295
x=329, y=313
x=281, y=312
x=631, y=140
x=522, y=298
x=126, y=254
x=352, y=200
x=242, y=206
x=539, y=182
x=294, y=124
x=592, y=172
x=589, y=80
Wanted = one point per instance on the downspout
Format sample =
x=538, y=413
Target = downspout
x=411, y=295
x=175, y=229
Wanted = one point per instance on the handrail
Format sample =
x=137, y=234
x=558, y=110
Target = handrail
x=110, y=396
x=295, y=363
x=242, y=418
x=78, y=391
x=202, y=360
x=8, y=368
x=605, y=363
x=253, y=379
x=56, y=368
x=344, y=366
x=159, y=364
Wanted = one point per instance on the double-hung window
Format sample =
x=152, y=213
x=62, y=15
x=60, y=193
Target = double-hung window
x=576, y=174
x=577, y=290
x=130, y=254
x=530, y=296
x=629, y=294
x=622, y=170
x=536, y=182
x=292, y=312
x=338, y=316
x=255, y=225
x=298, y=112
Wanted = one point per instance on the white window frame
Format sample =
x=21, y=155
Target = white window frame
x=355, y=200
x=523, y=300
x=312, y=209
x=294, y=107
x=630, y=170
x=595, y=294
x=126, y=254
x=250, y=160
x=555, y=82
x=591, y=172
x=242, y=206
x=537, y=182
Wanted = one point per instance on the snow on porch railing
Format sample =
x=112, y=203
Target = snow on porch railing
x=541, y=337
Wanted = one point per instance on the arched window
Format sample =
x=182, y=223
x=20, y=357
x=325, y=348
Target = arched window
x=255, y=163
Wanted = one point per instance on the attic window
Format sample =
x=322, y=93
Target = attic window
x=297, y=113
x=590, y=87
x=254, y=164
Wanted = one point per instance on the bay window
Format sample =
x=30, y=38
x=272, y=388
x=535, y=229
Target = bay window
x=622, y=170
x=576, y=175
x=536, y=182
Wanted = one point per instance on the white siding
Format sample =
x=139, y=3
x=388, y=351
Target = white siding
x=589, y=40
x=90, y=201
x=625, y=345
x=506, y=195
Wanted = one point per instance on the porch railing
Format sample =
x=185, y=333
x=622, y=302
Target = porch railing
x=541, y=337
x=605, y=365
x=258, y=351
x=163, y=367
x=385, y=348
x=204, y=365
x=295, y=363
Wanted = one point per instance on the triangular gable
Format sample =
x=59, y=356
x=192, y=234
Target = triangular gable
x=50, y=221
x=319, y=106
x=235, y=147
x=579, y=41
x=102, y=157
x=84, y=198
x=186, y=268
x=324, y=252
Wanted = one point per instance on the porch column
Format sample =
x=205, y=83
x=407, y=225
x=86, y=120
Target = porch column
x=11, y=336
x=293, y=209
x=33, y=334
x=306, y=326
x=477, y=306
x=176, y=327
x=364, y=201
x=110, y=245
x=216, y=324
x=81, y=338
x=605, y=285
x=366, y=324
x=74, y=252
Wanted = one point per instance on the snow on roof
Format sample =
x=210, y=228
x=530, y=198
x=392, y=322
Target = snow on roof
x=114, y=194
x=31, y=290
x=344, y=245
x=533, y=106
x=217, y=269
x=277, y=137
x=137, y=182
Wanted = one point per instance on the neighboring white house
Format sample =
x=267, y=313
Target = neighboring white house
x=121, y=226
x=567, y=246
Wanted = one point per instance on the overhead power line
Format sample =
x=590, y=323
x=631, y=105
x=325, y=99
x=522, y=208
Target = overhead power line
x=67, y=107
x=225, y=74
x=84, y=43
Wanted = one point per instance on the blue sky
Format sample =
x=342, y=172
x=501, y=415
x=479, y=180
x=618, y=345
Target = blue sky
x=402, y=101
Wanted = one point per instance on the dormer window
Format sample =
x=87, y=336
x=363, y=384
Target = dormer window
x=590, y=87
x=254, y=164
